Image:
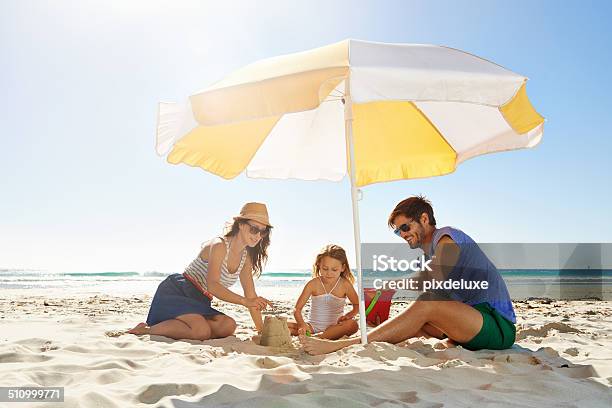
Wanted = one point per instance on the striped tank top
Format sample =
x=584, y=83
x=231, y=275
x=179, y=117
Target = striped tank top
x=197, y=270
x=326, y=309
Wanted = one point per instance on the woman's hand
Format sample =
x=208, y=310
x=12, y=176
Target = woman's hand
x=259, y=303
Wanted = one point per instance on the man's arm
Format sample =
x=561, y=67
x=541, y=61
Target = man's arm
x=444, y=259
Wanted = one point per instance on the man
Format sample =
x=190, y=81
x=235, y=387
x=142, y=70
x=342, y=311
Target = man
x=476, y=313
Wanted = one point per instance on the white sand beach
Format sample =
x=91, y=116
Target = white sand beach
x=563, y=357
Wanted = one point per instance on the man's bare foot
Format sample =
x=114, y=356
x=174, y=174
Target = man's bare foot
x=140, y=329
x=317, y=346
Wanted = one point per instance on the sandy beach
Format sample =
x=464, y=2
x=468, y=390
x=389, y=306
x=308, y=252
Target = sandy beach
x=562, y=358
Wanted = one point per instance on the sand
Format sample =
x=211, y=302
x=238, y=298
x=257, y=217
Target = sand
x=562, y=358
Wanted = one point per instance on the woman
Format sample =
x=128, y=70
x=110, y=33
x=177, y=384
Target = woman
x=181, y=307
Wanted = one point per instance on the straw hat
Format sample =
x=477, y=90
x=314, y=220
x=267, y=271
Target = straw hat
x=256, y=212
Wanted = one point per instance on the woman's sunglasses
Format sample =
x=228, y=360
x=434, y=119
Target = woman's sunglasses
x=254, y=230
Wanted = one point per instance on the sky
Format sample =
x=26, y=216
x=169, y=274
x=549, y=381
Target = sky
x=82, y=189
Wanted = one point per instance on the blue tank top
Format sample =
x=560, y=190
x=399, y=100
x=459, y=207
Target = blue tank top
x=472, y=266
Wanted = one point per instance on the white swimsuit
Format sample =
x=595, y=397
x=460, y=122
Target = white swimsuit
x=326, y=309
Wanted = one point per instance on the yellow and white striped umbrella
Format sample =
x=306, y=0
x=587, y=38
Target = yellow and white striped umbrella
x=379, y=112
x=417, y=111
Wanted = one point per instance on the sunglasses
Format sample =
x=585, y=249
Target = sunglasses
x=401, y=228
x=254, y=230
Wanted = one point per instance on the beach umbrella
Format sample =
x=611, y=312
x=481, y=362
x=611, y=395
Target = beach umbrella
x=376, y=112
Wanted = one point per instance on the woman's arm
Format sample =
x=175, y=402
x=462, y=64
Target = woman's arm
x=248, y=287
x=353, y=298
x=215, y=260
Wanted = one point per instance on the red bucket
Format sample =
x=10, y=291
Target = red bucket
x=378, y=304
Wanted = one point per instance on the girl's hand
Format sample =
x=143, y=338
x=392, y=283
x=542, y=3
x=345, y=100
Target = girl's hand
x=259, y=303
x=343, y=318
x=303, y=328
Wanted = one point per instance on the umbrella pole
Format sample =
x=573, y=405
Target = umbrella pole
x=348, y=120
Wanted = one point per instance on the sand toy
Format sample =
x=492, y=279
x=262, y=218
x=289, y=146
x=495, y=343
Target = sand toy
x=378, y=304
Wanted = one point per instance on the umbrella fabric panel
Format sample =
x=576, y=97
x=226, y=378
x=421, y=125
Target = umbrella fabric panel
x=224, y=150
x=473, y=130
x=379, y=71
x=289, y=83
x=520, y=114
x=306, y=145
x=394, y=141
x=416, y=72
x=173, y=122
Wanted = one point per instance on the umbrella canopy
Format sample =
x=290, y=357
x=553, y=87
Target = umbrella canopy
x=417, y=111
x=378, y=112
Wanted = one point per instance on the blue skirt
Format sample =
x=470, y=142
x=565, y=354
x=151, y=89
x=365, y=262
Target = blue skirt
x=177, y=296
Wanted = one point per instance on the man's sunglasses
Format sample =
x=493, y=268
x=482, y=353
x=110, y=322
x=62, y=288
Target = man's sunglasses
x=401, y=228
x=254, y=230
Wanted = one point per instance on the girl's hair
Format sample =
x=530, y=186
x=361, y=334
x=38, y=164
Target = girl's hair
x=336, y=252
x=258, y=253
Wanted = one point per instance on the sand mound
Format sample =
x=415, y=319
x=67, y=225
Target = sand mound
x=542, y=331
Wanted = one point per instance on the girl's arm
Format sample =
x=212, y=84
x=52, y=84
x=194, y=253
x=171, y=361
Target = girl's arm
x=301, y=302
x=248, y=286
x=353, y=298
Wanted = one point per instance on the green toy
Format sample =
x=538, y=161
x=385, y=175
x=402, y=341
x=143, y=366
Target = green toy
x=373, y=302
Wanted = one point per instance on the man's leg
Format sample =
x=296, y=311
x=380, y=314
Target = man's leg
x=457, y=320
x=430, y=331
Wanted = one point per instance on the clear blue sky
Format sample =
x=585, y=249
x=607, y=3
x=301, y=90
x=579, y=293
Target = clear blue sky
x=82, y=188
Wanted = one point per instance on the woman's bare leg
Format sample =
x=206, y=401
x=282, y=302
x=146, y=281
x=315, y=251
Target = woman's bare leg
x=140, y=329
x=187, y=326
x=221, y=326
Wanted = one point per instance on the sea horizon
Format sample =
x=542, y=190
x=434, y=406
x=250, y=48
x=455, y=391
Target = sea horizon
x=522, y=283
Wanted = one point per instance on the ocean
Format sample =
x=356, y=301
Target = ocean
x=522, y=283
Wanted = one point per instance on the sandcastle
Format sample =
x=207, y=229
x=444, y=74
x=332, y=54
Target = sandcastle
x=275, y=332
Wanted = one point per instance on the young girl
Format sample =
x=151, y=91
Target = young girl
x=332, y=283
